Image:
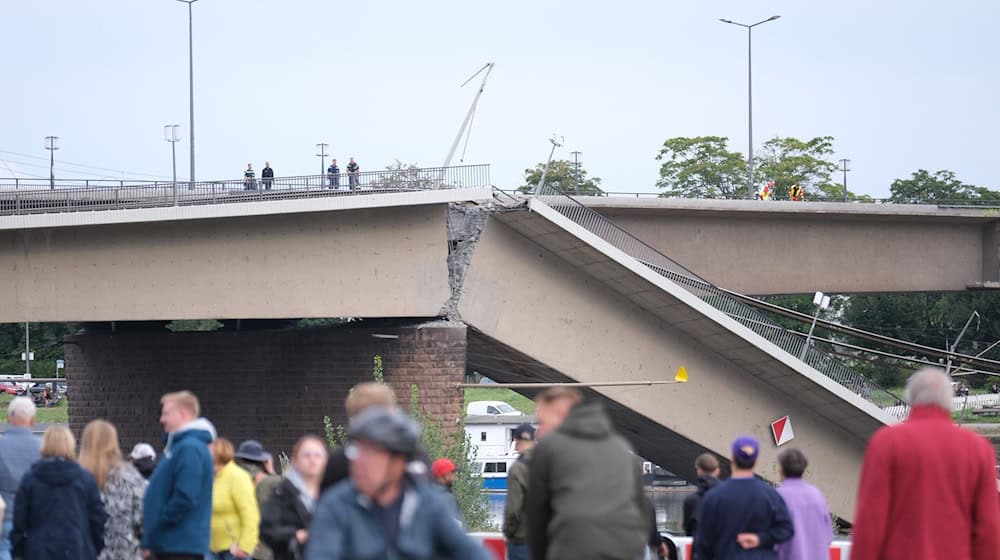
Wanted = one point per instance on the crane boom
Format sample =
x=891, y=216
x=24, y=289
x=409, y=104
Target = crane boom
x=488, y=67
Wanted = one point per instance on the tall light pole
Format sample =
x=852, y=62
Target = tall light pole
x=52, y=144
x=172, y=134
x=557, y=140
x=749, y=28
x=845, y=166
x=821, y=301
x=191, y=79
x=576, y=171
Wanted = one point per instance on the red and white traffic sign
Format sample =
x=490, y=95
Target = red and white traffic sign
x=782, y=430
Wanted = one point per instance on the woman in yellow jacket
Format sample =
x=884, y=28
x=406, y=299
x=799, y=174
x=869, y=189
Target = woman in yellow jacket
x=235, y=514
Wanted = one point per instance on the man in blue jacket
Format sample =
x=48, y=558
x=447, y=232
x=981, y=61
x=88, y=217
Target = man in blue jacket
x=177, y=508
x=742, y=517
x=381, y=511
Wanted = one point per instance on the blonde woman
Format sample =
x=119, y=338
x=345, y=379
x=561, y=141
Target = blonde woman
x=58, y=511
x=235, y=516
x=122, y=488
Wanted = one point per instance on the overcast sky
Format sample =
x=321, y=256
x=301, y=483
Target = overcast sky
x=901, y=85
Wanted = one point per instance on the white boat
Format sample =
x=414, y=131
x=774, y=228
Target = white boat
x=492, y=439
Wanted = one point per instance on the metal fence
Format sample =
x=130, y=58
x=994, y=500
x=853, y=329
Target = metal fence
x=76, y=196
x=744, y=314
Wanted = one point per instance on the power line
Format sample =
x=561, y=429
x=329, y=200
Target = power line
x=64, y=162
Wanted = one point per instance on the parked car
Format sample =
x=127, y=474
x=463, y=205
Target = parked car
x=498, y=408
x=10, y=388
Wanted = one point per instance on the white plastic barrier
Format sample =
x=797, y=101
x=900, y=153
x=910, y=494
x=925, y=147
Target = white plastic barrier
x=494, y=542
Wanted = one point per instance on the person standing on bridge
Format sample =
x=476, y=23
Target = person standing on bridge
x=267, y=175
x=249, y=179
x=18, y=450
x=742, y=517
x=352, y=173
x=177, y=508
x=807, y=506
x=333, y=174
x=928, y=487
x=585, y=496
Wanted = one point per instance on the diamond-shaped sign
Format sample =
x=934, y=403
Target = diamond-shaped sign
x=782, y=430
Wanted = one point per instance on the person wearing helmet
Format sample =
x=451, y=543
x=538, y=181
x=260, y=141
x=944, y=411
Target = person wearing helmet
x=381, y=511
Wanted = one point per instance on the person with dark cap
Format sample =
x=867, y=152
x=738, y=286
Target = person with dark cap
x=443, y=470
x=517, y=487
x=254, y=459
x=742, y=517
x=382, y=511
x=143, y=458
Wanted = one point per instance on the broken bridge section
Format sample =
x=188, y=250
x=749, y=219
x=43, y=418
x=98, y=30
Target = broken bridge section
x=546, y=299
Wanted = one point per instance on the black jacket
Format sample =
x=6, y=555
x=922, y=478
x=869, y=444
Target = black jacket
x=267, y=173
x=281, y=517
x=692, y=502
x=145, y=466
x=58, y=513
x=585, y=496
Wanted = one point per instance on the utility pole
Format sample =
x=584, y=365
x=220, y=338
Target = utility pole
x=171, y=133
x=191, y=79
x=557, y=141
x=845, y=166
x=321, y=154
x=576, y=171
x=52, y=144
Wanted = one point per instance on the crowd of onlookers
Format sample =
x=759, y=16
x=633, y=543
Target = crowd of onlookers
x=332, y=176
x=927, y=489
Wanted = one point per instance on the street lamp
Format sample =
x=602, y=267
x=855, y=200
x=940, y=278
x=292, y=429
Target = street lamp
x=557, y=141
x=821, y=302
x=845, y=166
x=172, y=134
x=52, y=144
x=749, y=28
x=191, y=79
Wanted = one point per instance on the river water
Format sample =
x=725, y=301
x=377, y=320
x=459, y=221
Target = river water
x=668, y=504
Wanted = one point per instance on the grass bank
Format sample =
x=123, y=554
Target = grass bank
x=55, y=414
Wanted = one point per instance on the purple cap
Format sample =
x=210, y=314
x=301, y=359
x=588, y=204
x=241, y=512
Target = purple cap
x=746, y=448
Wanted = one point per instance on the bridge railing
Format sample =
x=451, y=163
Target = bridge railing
x=744, y=314
x=71, y=196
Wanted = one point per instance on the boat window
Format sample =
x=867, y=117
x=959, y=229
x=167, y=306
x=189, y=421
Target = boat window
x=492, y=467
x=502, y=467
x=492, y=410
x=482, y=436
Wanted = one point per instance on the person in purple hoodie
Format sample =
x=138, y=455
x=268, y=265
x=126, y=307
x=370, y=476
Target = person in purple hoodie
x=807, y=506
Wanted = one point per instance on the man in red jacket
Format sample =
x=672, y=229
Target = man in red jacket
x=928, y=487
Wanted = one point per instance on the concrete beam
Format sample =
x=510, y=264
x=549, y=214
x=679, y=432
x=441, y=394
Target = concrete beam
x=763, y=248
x=374, y=262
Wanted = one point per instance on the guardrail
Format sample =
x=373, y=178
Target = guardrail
x=980, y=203
x=117, y=195
x=744, y=314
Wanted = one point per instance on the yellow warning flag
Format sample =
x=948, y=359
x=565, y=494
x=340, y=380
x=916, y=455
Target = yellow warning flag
x=682, y=375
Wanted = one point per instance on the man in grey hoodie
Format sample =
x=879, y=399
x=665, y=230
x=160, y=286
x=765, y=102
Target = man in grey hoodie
x=586, y=498
x=18, y=451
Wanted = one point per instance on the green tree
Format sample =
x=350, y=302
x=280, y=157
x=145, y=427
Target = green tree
x=46, y=343
x=564, y=175
x=790, y=161
x=399, y=175
x=701, y=167
x=940, y=186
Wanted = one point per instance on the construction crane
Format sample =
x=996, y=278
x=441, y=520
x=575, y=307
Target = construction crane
x=467, y=123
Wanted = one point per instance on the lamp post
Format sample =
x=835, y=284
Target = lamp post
x=845, y=166
x=191, y=79
x=557, y=141
x=749, y=28
x=821, y=302
x=172, y=134
x=52, y=144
